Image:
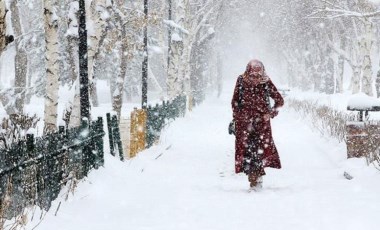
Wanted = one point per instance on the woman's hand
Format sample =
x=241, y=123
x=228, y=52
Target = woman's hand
x=267, y=117
x=264, y=79
x=273, y=113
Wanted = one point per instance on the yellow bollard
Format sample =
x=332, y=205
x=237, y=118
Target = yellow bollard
x=138, y=131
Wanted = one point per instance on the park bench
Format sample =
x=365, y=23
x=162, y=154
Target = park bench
x=363, y=135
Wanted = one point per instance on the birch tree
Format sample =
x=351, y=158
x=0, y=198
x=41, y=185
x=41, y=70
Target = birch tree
x=52, y=82
x=340, y=69
x=199, y=21
x=175, y=78
x=98, y=17
x=366, y=44
x=3, y=25
x=21, y=60
x=359, y=58
x=3, y=29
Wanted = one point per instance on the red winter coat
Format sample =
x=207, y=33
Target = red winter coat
x=254, y=146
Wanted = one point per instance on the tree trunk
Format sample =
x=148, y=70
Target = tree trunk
x=177, y=50
x=339, y=78
x=21, y=61
x=117, y=96
x=366, y=48
x=184, y=71
x=3, y=29
x=219, y=74
x=329, y=80
x=173, y=81
x=3, y=26
x=75, y=118
x=52, y=77
x=94, y=15
x=355, y=81
x=378, y=84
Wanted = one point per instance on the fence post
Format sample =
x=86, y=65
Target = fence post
x=115, y=129
x=99, y=143
x=61, y=129
x=110, y=135
x=30, y=173
x=30, y=144
x=86, y=151
x=149, y=127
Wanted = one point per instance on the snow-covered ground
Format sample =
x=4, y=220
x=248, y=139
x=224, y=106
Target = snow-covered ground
x=187, y=181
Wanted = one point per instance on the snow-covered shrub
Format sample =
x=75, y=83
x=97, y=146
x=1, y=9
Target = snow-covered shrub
x=331, y=122
x=325, y=119
x=373, y=146
x=15, y=127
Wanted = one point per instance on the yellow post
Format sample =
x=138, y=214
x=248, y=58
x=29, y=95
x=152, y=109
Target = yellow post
x=138, y=131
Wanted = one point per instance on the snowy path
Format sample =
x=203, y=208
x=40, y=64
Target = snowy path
x=188, y=182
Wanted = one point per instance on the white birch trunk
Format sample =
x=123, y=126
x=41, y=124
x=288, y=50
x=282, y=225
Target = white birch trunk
x=186, y=57
x=52, y=77
x=355, y=81
x=366, y=45
x=75, y=119
x=340, y=70
x=356, y=69
x=117, y=94
x=21, y=61
x=194, y=22
x=174, y=80
x=98, y=26
x=176, y=65
x=378, y=84
x=3, y=29
x=3, y=26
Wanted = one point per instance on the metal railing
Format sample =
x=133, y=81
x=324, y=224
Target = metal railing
x=159, y=114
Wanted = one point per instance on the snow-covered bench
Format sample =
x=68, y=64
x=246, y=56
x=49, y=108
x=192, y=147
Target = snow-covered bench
x=363, y=104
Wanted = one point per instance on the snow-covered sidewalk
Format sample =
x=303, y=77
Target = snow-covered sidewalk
x=187, y=181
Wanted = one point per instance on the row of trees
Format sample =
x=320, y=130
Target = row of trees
x=45, y=50
x=319, y=41
x=322, y=42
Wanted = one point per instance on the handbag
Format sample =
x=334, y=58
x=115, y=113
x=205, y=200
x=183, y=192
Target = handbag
x=231, y=128
x=232, y=125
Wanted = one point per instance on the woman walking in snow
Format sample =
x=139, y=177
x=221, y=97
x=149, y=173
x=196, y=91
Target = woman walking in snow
x=254, y=146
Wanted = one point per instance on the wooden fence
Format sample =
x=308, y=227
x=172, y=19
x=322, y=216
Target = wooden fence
x=33, y=171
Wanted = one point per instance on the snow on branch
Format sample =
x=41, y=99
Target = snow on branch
x=340, y=52
x=174, y=25
x=335, y=13
x=210, y=34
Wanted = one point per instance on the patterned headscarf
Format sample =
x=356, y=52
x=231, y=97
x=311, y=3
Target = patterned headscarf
x=255, y=68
